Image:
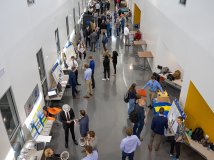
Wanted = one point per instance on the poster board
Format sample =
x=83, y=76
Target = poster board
x=57, y=72
x=69, y=50
x=174, y=112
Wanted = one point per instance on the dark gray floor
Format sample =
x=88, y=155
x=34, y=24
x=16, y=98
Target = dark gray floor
x=108, y=112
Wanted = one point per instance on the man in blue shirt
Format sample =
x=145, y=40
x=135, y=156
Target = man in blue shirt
x=129, y=144
x=72, y=81
x=159, y=123
x=87, y=78
x=153, y=88
x=92, y=66
x=91, y=154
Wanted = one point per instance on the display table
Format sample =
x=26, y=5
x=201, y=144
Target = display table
x=144, y=55
x=208, y=154
x=176, y=83
x=140, y=43
x=132, y=32
x=59, y=95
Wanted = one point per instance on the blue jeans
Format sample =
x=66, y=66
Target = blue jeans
x=137, y=129
x=129, y=155
x=118, y=31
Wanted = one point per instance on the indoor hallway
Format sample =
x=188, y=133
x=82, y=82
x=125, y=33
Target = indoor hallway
x=108, y=112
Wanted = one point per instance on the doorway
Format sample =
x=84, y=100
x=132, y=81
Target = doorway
x=11, y=121
x=137, y=15
x=42, y=73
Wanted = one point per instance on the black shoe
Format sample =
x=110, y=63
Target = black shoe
x=150, y=106
x=66, y=145
x=75, y=142
x=78, y=84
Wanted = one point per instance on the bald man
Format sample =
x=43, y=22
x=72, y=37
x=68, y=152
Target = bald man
x=67, y=117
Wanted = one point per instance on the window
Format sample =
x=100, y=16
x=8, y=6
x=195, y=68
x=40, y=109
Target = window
x=57, y=40
x=67, y=26
x=183, y=2
x=9, y=114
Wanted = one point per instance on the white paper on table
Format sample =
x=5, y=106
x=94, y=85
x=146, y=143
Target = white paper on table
x=42, y=138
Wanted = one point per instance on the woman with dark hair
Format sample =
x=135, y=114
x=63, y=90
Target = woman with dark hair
x=132, y=97
x=106, y=66
x=114, y=61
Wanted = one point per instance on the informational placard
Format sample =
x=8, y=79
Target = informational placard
x=174, y=112
x=57, y=72
x=37, y=123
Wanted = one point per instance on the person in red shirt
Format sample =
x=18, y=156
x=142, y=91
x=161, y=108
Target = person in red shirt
x=137, y=35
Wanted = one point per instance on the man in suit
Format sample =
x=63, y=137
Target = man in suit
x=72, y=81
x=67, y=117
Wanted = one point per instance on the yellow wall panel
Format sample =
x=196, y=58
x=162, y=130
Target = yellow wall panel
x=198, y=112
x=137, y=14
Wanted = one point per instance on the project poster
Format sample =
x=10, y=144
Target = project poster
x=172, y=116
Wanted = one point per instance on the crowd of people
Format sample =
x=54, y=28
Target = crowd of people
x=97, y=31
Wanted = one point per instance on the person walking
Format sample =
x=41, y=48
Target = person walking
x=93, y=39
x=67, y=118
x=104, y=41
x=122, y=23
x=72, y=82
x=97, y=6
x=126, y=34
x=178, y=139
x=87, y=78
x=117, y=26
x=132, y=93
x=106, y=66
x=83, y=123
x=114, y=61
x=141, y=117
x=103, y=25
x=92, y=66
x=129, y=144
x=153, y=88
x=159, y=123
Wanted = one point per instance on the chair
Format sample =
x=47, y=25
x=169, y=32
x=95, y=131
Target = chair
x=51, y=112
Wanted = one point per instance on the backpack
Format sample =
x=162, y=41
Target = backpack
x=198, y=134
x=126, y=97
x=177, y=74
x=170, y=77
x=105, y=39
x=133, y=116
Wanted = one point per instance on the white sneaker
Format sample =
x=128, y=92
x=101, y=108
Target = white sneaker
x=104, y=79
x=171, y=155
x=108, y=79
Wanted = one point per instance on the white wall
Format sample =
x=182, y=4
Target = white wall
x=24, y=30
x=181, y=37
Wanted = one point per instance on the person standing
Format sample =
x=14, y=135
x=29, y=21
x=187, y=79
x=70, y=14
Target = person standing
x=97, y=6
x=93, y=38
x=114, y=61
x=92, y=66
x=87, y=77
x=122, y=23
x=104, y=41
x=92, y=140
x=72, y=81
x=106, y=66
x=67, y=117
x=81, y=50
x=108, y=28
x=153, y=88
x=129, y=144
x=178, y=139
x=74, y=64
x=83, y=123
x=159, y=123
x=141, y=117
x=126, y=34
x=103, y=26
x=87, y=36
x=90, y=153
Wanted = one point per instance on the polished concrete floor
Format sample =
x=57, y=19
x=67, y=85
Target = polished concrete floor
x=108, y=112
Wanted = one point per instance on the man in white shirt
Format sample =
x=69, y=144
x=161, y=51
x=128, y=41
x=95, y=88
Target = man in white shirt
x=73, y=64
x=97, y=6
x=90, y=153
x=129, y=144
x=126, y=33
